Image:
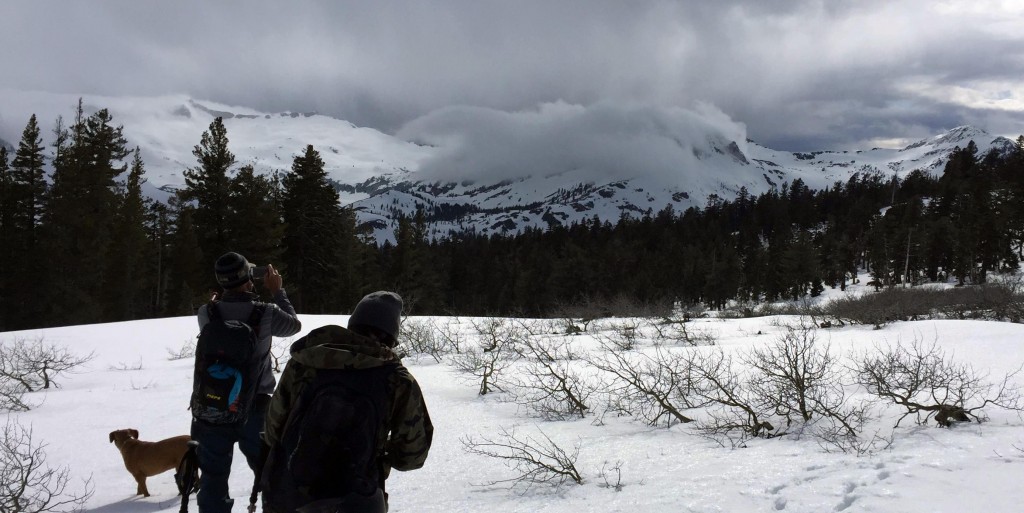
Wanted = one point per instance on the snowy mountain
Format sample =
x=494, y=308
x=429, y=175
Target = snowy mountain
x=569, y=163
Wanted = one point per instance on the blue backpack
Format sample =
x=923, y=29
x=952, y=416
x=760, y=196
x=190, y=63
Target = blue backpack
x=227, y=368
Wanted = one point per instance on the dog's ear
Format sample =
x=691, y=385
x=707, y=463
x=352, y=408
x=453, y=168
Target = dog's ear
x=135, y=433
x=112, y=435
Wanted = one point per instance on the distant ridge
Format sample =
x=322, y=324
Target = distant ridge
x=382, y=176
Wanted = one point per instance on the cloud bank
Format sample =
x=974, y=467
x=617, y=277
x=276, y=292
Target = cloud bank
x=801, y=74
x=601, y=142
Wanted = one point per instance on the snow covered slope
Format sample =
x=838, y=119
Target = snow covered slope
x=559, y=164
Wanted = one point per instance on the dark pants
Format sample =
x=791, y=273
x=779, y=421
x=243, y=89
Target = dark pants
x=216, y=450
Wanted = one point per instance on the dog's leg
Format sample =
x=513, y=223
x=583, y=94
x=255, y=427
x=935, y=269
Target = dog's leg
x=141, y=489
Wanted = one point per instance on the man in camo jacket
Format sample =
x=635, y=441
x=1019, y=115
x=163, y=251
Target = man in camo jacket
x=368, y=343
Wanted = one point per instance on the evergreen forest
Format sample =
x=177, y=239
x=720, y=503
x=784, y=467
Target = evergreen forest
x=81, y=244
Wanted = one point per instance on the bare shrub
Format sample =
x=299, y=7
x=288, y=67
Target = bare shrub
x=687, y=312
x=678, y=333
x=623, y=335
x=749, y=309
x=577, y=316
x=12, y=396
x=995, y=301
x=836, y=438
x=551, y=384
x=793, y=386
x=124, y=366
x=798, y=379
x=187, y=350
x=280, y=352
x=534, y=459
x=35, y=365
x=495, y=349
x=657, y=388
x=733, y=413
x=27, y=483
x=924, y=381
x=426, y=338
x=611, y=476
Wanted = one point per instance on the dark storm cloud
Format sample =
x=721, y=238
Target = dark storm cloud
x=800, y=74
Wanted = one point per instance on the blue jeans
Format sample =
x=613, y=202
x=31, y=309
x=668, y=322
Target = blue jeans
x=216, y=450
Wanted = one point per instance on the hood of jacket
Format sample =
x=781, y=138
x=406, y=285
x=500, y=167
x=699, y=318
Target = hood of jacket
x=335, y=347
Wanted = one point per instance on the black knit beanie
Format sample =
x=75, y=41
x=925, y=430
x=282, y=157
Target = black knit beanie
x=232, y=270
x=381, y=310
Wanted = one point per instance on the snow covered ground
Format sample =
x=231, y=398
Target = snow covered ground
x=132, y=382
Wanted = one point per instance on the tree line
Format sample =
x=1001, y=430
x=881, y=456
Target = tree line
x=80, y=243
x=785, y=244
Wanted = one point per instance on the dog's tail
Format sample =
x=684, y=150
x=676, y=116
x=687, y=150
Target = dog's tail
x=187, y=476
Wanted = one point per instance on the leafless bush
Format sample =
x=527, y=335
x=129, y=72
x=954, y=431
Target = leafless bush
x=658, y=388
x=35, y=365
x=427, y=338
x=793, y=386
x=748, y=309
x=734, y=414
x=995, y=301
x=495, y=350
x=27, y=483
x=12, y=396
x=576, y=317
x=280, y=352
x=798, y=379
x=924, y=381
x=612, y=476
x=623, y=335
x=687, y=312
x=836, y=438
x=677, y=333
x=187, y=350
x=535, y=460
x=551, y=384
x=124, y=366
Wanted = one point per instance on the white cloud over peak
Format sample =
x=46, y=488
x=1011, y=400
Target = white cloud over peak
x=601, y=141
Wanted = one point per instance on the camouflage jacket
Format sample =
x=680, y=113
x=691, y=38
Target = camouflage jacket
x=407, y=424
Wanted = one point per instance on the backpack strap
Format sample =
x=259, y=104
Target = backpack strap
x=256, y=317
x=212, y=312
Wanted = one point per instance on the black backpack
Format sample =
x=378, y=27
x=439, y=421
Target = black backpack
x=228, y=368
x=329, y=447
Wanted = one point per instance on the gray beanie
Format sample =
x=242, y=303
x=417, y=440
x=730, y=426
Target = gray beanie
x=232, y=270
x=381, y=310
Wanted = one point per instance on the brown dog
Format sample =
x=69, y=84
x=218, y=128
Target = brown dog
x=144, y=459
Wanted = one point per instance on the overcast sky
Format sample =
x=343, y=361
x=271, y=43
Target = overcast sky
x=797, y=74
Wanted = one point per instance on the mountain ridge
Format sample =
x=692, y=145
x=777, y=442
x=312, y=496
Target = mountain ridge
x=383, y=176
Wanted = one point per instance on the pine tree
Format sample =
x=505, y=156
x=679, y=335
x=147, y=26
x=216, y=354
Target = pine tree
x=125, y=293
x=158, y=227
x=207, y=190
x=27, y=193
x=6, y=237
x=320, y=245
x=81, y=216
x=189, y=284
x=28, y=183
x=254, y=223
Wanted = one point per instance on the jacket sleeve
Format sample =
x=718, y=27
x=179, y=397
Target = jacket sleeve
x=281, y=404
x=411, y=430
x=203, y=315
x=284, y=322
